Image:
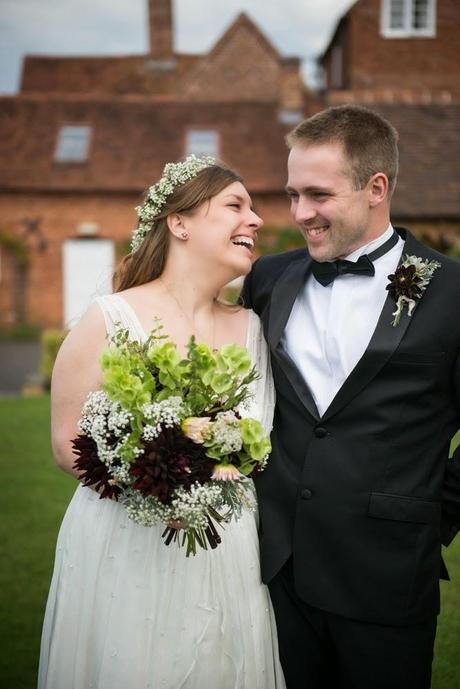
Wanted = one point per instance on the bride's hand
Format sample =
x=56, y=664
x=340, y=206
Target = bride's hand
x=176, y=524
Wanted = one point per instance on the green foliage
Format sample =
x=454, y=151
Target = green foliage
x=34, y=495
x=123, y=247
x=230, y=295
x=255, y=442
x=136, y=374
x=17, y=247
x=21, y=331
x=139, y=374
x=51, y=343
x=274, y=240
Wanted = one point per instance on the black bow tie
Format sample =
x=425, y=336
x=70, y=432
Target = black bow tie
x=327, y=271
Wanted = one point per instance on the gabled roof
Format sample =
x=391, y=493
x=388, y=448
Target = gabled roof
x=242, y=65
x=243, y=21
x=100, y=75
x=429, y=144
x=132, y=138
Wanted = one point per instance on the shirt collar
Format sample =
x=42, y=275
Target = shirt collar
x=371, y=246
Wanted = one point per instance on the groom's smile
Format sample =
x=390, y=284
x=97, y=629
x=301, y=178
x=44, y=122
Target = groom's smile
x=331, y=213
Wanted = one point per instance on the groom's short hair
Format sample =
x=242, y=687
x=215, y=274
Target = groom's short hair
x=369, y=141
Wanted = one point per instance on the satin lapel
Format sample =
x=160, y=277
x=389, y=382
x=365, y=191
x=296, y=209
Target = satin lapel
x=283, y=297
x=297, y=381
x=383, y=343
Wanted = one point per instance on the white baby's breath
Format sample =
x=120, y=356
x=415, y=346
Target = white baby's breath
x=226, y=432
x=174, y=174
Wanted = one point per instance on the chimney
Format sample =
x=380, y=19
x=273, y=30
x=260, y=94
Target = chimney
x=161, y=30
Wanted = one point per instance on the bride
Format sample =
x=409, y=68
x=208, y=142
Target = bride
x=124, y=610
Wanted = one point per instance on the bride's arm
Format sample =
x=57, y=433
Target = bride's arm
x=76, y=373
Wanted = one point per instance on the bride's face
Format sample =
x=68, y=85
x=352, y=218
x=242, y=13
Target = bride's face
x=223, y=231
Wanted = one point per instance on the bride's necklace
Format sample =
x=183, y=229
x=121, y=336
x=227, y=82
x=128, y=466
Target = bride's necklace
x=191, y=321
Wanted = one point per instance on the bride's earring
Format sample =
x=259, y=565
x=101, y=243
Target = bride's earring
x=184, y=235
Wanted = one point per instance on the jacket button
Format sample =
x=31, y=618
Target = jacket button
x=320, y=432
x=306, y=494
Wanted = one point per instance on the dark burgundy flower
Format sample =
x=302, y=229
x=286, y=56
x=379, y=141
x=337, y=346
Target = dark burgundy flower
x=93, y=472
x=170, y=461
x=405, y=283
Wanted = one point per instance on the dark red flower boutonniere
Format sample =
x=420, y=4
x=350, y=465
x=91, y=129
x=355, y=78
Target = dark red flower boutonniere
x=408, y=284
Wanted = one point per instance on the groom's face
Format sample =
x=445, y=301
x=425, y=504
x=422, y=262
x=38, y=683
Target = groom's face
x=332, y=215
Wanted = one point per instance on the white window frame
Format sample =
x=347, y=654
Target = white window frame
x=72, y=144
x=408, y=30
x=196, y=144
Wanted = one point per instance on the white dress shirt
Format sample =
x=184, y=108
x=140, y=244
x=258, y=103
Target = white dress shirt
x=330, y=327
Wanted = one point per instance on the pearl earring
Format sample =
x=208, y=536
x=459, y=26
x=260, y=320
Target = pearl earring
x=184, y=235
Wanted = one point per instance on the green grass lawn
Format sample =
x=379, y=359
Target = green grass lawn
x=33, y=498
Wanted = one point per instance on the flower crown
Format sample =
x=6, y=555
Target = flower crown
x=174, y=174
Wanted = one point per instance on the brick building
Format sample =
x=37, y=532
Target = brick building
x=401, y=58
x=402, y=51
x=86, y=136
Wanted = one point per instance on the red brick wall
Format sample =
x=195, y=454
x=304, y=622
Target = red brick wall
x=402, y=68
x=60, y=215
x=239, y=69
x=161, y=29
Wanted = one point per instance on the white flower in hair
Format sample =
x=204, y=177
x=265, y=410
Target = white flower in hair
x=174, y=174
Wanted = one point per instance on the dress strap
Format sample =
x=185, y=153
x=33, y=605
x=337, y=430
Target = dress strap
x=118, y=314
x=263, y=390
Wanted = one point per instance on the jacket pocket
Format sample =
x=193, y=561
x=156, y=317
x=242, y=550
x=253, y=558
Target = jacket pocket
x=404, y=509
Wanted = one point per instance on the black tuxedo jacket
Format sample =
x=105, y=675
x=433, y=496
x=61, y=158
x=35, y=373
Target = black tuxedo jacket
x=363, y=496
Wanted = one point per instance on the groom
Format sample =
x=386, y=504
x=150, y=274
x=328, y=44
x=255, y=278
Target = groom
x=359, y=492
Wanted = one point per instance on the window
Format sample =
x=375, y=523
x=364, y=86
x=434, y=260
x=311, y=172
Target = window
x=290, y=117
x=404, y=18
x=72, y=144
x=336, y=67
x=202, y=142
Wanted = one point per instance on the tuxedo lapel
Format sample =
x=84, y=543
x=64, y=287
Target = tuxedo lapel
x=383, y=343
x=283, y=297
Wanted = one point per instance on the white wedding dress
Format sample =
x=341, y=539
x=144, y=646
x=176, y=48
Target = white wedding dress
x=125, y=611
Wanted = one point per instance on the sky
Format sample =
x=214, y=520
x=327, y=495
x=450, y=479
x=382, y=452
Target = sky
x=299, y=28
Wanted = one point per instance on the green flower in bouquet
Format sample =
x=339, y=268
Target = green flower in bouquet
x=231, y=440
x=171, y=370
x=165, y=435
x=126, y=378
x=255, y=442
x=233, y=360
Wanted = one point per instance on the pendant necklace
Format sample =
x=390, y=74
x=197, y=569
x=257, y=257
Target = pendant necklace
x=195, y=330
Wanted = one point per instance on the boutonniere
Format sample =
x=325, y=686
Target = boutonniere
x=408, y=284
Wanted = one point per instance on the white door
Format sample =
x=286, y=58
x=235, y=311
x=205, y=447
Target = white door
x=87, y=272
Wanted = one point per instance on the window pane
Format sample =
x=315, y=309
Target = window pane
x=290, y=116
x=72, y=144
x=420, y=14
x=397, y=14
x=202, y=142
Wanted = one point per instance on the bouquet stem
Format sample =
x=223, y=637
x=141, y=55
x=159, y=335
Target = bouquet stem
x=193, y=536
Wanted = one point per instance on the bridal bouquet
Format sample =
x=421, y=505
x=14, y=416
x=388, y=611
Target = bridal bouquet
x=164, y=436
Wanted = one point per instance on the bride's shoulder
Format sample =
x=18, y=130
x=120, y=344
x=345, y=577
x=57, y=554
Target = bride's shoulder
x=140, y=293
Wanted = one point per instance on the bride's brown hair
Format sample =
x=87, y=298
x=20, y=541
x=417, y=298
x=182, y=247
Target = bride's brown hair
x=148, y=262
